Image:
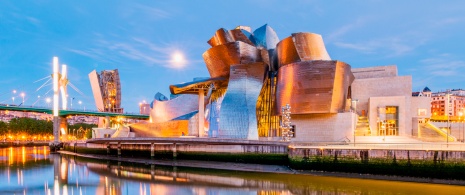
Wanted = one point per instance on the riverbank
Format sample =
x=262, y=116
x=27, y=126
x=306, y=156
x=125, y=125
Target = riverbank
x=247, y=167
x=21, y=143
x=404, y=161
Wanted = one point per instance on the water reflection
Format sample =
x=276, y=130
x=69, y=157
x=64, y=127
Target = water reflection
x=34, y=170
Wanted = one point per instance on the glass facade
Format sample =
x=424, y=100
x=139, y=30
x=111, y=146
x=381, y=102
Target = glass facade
x=388, y=123
x=267, y=121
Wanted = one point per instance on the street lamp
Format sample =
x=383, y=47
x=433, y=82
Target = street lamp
x=48, y=100
x=80, y=103
x=460, y=116
x=22, y=95
x=13, y=98
x=354, y=106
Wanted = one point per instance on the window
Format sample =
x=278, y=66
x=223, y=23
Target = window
x=421, y=112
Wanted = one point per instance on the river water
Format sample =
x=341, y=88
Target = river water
x=33, y=170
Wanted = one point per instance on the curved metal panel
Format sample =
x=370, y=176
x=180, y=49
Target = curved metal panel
x=313, y=86
x=160, y=97
x=265, y=37
x=238, y=116
x=163, y=111
x=310, y=46
x=286, y=52
x=301, y=47
x=242, y=35
x=221, y=37
x=219, y=58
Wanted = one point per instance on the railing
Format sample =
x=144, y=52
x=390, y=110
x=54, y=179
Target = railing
x=442, y=132
x=77, y=110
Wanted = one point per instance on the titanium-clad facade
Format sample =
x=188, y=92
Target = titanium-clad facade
x=219, y=58
x=163, y=111
x=314, y=86
x=252, y=75
x=238, y=110
x=301, y=47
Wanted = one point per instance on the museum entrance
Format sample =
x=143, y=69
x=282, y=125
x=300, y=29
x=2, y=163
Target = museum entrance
x=388, y=124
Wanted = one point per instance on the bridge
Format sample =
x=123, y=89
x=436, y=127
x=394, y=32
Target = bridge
x=64, y=113
x=59, y=82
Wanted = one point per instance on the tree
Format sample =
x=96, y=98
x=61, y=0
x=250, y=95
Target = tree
x=3, y=128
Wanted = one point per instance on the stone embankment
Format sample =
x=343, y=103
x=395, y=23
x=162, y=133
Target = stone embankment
x=440, y=164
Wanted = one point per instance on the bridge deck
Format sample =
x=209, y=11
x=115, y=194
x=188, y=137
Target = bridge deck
x=72, y=112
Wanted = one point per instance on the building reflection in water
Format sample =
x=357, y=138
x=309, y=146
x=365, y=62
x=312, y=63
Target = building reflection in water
x=28, y=170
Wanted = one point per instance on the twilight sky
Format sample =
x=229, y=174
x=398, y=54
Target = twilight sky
x=425, y=39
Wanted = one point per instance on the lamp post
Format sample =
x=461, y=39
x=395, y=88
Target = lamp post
x=13, y=98
x=48, y=100
x=80, y=103
x=460, y=116
x=447, y=113
x=22, y=95
x=354, y=106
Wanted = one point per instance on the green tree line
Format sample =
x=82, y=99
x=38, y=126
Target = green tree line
x=33, y=127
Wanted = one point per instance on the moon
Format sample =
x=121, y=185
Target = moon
x=178, y=60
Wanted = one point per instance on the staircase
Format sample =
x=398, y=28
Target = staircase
x=363, y=127
x=122, y=132
x=430, y=133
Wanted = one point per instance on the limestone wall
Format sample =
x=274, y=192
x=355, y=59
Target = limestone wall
x=323, y=127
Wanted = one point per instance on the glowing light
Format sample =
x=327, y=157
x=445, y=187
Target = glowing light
x=178, y=60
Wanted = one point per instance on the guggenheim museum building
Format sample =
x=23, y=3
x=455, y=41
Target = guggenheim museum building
x=253, y=74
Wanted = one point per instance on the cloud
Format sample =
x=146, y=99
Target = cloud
x=135, y=49
x=343, y=30
x=391, y=46
x=447, y=21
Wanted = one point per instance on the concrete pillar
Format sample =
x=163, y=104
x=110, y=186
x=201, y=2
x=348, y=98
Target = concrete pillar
x=63, y=125
x=107, y=122
x=175, y=155
x=56, y=129
x=152, y=150
x=201, y=112
x=119, y=149
x=108, y=148
x=175, y=173
x=119, y=168
x=152, y=171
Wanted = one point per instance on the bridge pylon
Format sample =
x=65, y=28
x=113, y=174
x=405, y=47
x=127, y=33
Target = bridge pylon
x=60, y=82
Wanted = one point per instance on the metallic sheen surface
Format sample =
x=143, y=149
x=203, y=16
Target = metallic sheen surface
x=167, y=110
x=314, y=86
x=194, y=86
x=238, y=110
x=221, y=37
x=219, y=58
x=265, y=37
x=301, y=47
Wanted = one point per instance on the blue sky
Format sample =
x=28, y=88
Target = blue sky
x=425, y=39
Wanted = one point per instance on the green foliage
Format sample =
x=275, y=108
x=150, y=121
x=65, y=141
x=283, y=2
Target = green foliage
x=3, y=128
x=81, y=130
x=28, y=126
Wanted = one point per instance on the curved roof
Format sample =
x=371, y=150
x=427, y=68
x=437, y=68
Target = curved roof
x=194, y=86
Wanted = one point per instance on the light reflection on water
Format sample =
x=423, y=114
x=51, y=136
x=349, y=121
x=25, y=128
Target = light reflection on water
x=33, y=170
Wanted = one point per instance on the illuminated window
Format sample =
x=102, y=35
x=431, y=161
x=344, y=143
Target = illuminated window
x=421, y=112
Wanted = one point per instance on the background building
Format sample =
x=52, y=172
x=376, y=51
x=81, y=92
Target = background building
x=106, y=88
